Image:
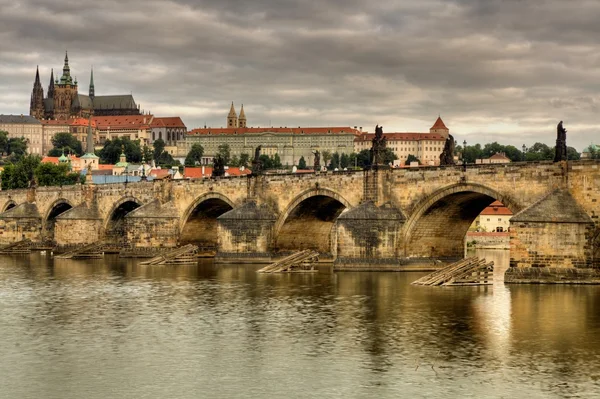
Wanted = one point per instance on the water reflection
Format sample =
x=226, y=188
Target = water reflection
x=112, y=327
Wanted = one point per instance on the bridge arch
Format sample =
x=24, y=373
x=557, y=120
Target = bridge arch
x=114, y=228
x=57, y=208
x=198, y=225
x=307, y=222
x=439, y=223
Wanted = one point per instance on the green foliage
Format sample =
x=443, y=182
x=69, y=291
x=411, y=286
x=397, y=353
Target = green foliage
x=67, y=142
x=49, y=174
x=3, y=142
x=412, y=158
x=21, y=173
x=225, y=152
x=159, y=148
x=111, y=151
x=235, y=161
x=302, y=163
x=594, y=152
x=147, y=153
x=195, y=155
x=244, y=160
x=539, y=152
x=335, y=161
x=511, y=152
x=344, y=161
x=389, y=156
x=17, y=148
x=326, y=157
x=363, y=159
x=273, y=162
x=572, y=154
x=277, y=161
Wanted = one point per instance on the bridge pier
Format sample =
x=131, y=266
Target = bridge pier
x=80, y=225
x=552, y=241
x=153, y=225
x=245, y=234
x=21, y=222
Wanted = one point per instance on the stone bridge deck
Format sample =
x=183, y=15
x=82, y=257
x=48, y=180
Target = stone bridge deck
x=383, y=217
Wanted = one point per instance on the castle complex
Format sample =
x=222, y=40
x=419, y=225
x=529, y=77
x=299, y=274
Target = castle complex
x=63, y=101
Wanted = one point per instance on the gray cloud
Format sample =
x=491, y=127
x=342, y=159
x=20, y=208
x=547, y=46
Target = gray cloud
x=505, y=71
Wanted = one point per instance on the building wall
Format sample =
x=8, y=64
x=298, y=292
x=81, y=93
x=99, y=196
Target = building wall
x=31, y=131
x=290, y=147
x=427, y=150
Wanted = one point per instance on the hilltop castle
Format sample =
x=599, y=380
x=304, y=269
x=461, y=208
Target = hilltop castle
x=63, y=100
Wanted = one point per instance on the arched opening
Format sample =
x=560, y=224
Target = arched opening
x=438, y=229
x=58, y=209
x=9, y=205
x=309, y=225
x=200, y=226
x=115, y=228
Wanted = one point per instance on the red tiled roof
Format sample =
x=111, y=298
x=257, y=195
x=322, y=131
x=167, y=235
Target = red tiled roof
x=289, y=130
x=196, y=172
x=171, y=121
x=53, y=160
x=123, y=121
x=235, y=171
x=499, y=155
x=105, y=167
x=159, y=173
x=496, y=208
x=81, y=122
x=439, y=124
x=402, y=136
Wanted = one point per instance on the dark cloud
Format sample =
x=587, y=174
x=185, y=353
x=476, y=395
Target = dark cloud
x=495, y=70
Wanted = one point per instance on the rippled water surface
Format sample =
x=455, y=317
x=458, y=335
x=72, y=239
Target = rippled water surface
x=111, y=328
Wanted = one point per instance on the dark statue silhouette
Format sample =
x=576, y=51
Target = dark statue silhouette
x=561, y=143
x=447, y=156
x=378, y=146
x=317, y=162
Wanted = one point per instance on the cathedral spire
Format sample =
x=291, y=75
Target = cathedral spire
x=232, y=119
x=92, y=91
x=36, y=106
x=66, y=76
x=51, y=85
x=37, y=76
x=242, y=117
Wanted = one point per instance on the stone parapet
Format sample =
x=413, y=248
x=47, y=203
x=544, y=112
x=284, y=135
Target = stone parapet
x=552, y=275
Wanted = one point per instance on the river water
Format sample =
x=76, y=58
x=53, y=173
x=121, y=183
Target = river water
x=111, y=328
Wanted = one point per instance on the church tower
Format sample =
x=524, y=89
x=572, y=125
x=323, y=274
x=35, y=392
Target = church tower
x=64, y=92
x=232, y=119
x=439, y=128
x=92, y=90
x=242, y=118
x=51, y=85
x=36, y=107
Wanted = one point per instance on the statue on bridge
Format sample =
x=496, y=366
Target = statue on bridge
x=561, y=143
x=256, y=163
x=447, y=156
x=218, y=166
x=317, y=162
x=378, y=147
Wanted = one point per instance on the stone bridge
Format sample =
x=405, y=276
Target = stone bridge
x=383, y=219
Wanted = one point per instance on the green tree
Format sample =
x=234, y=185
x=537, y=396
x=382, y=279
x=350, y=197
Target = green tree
x=235, y=161
x=412, y=158
x=21, y=173
x=572, y=154
x=194, y=157
x=539, y=152
x=225, y=152
x=593, y=150
x=67, y=142
x=363, y=159
x=17, y=148
x=165, y=160
x=159, y=148
x=389, y=156
x=326, y=157
x=302, y=163
x=352, y=161
x=335, y=161
x=277, y=161
x=112, y=149
x=267, y=162
x=244, y=160
x=511, y=152
x=344, y=161
x=49, y=174
x=3, y=142
x=147, y=153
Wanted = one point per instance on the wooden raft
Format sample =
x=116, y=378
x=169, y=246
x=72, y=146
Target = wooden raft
x=93, y=250
x=186, y=254
x=469, y=271
x=300, y=262
x=19, y=247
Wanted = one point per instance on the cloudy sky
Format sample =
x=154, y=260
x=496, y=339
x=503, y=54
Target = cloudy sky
x=504, y=71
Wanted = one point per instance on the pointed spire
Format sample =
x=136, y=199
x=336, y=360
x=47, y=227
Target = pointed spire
x=439, y=124
x=66, y=76
x=242, y=118
x=37, y=75
x=242, y=114
x=51, y=85
x=232, y=111
x=92, y=92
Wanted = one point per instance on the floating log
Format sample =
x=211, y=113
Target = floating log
x=19, y=247
x=183, y=255
x=300, y=262
x=469, y=271
x=93, y=250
